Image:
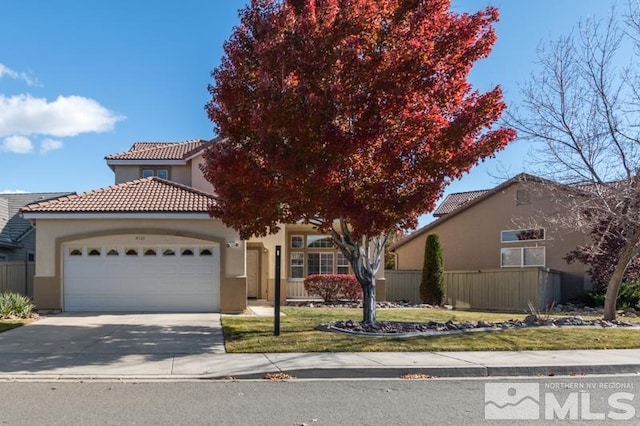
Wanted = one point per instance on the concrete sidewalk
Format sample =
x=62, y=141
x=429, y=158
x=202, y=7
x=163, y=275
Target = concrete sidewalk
x=336, y=365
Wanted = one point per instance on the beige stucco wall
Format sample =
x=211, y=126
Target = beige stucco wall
x=180, y=174
x=470, y=240
x=54, y=235
x=197, y=178
x=126, y=173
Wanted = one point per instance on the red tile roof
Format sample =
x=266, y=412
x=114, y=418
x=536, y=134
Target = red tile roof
x=149, y=195
x=160, y=150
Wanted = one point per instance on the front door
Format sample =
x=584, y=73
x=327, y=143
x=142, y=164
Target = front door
x=253, y=273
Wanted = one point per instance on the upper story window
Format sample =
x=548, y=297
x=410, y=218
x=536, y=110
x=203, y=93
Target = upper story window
x=161, y=173
x=516, y=235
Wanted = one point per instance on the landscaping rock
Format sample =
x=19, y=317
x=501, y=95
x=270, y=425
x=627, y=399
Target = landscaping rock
x=383, y=328
x=531, y=319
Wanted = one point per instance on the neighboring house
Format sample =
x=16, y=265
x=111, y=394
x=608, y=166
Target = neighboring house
x=492, y=229
x=147, y=243
x=17, y=235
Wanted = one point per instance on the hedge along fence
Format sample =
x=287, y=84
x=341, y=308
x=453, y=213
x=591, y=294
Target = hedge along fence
x=330, y=287
x=17, y=277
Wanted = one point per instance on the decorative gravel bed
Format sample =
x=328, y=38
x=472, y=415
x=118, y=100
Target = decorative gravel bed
x=412, y=329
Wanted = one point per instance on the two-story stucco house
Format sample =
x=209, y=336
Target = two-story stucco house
x=147, y=243
x=501, y=228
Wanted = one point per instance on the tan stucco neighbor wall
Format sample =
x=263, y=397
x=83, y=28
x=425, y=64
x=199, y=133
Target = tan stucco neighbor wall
x=54, y=234
x=471, y=239
x=197, y=178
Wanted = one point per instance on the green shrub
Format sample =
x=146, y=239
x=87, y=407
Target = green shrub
x=432, y=285
x=13, y=305
x=628, y=297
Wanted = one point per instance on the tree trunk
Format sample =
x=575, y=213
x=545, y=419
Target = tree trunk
x=611, y=296
x=369, y=301
x=365, y=255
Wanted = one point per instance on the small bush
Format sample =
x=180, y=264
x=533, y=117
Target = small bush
x=628, y=297
x=330, y=286
x=13, y=305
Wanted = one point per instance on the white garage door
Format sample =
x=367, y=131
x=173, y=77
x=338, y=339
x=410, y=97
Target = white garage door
x=150, y=278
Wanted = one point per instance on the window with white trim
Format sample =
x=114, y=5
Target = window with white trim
x=319, y=263
x=342, y=264
x=516, y=235
x=161, y=173
x=519, y=257
x=314, y=254
x=319, y=241
x=297, y=265
x=297, y=241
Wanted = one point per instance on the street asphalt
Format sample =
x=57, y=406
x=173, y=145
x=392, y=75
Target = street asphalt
x=171, y=346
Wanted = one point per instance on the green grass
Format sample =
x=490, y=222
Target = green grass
x=297, y=334
x=6, y=325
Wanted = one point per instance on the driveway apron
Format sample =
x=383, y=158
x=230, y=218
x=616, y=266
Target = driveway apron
x=109, y=343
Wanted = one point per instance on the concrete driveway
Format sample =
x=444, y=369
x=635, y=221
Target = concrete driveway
x=109, y=343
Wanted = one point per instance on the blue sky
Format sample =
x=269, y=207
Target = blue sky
x=83, y=79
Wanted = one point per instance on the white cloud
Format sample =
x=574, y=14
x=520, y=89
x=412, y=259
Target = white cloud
x=50, y=145
x=17, y=144
x=66, y=116
x=27, y=78
x=13, y=191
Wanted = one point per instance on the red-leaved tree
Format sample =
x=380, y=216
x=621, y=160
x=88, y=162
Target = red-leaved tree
x=351, y=115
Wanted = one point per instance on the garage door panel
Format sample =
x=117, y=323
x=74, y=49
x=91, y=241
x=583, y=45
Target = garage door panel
x=142, y=283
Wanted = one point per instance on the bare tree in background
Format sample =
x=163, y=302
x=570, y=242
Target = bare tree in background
x=583, y=110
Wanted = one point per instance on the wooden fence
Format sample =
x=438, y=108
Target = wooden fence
x=504, y=289
x=17, y=277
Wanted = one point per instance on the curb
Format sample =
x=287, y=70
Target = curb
x=355, y=373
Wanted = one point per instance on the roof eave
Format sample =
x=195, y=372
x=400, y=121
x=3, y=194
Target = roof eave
x=140, y=162
x=115, y=215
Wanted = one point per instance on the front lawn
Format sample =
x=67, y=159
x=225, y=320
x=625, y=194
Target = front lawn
x=6, y=325
x=298, y=334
